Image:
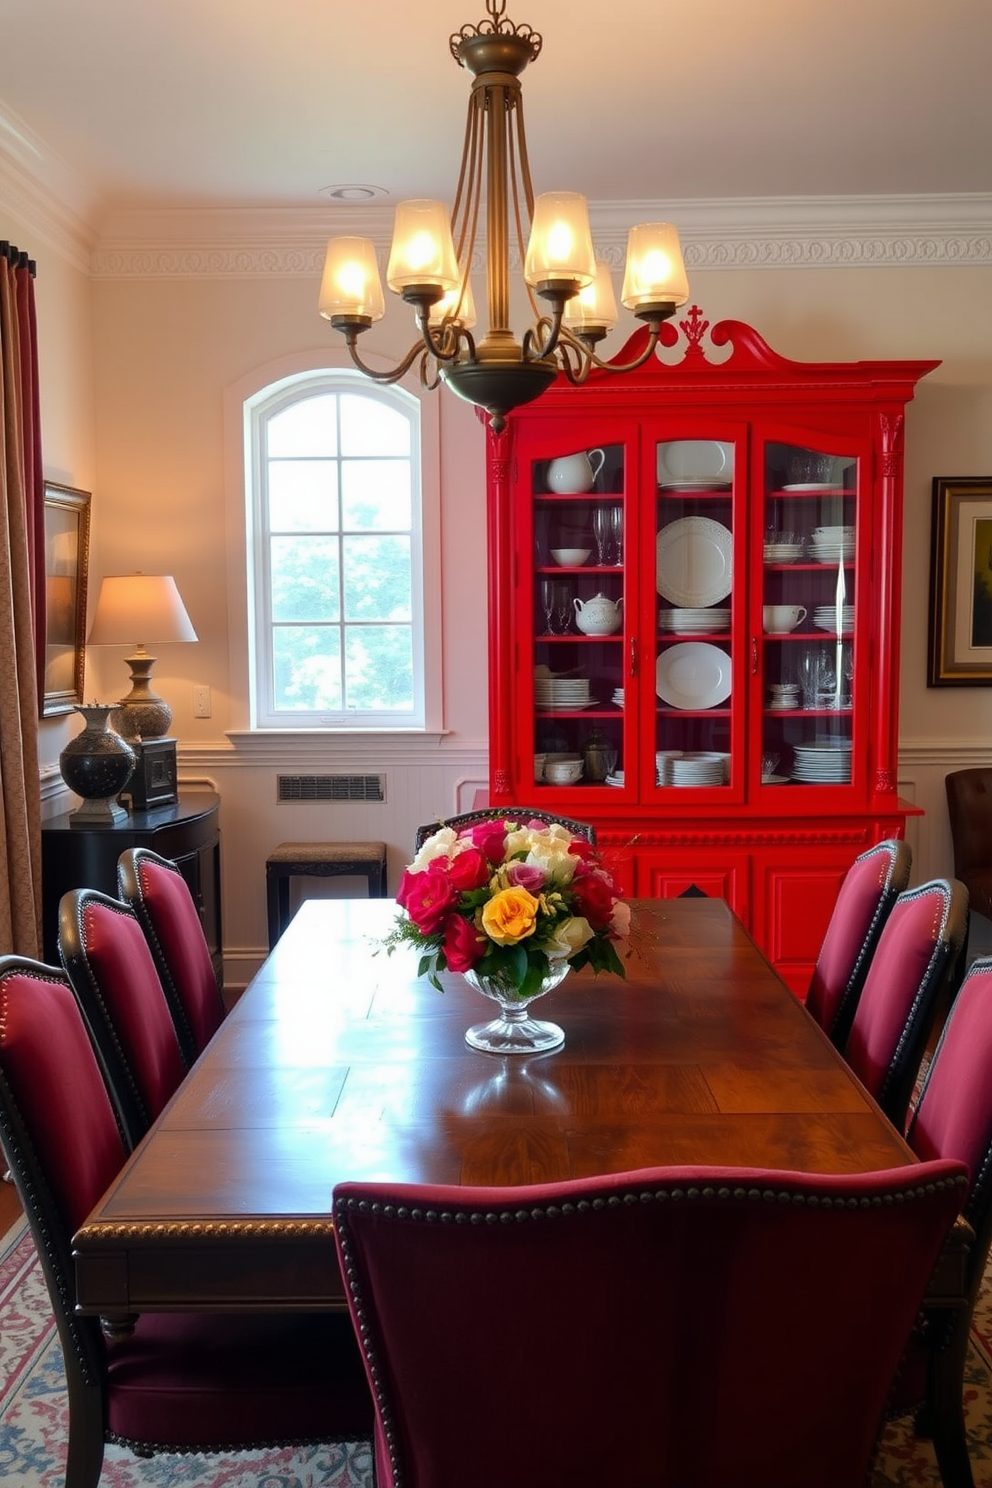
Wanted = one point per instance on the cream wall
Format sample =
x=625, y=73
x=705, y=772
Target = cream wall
x=173, y=330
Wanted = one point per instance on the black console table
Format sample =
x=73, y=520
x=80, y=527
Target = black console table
x=77, y=857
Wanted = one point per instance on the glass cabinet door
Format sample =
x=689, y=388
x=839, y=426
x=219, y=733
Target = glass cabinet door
x=692, y=668
x=579, y=508
x=807, y=615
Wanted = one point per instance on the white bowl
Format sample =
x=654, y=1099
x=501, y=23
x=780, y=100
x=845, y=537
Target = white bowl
x=570, y=557
x=563, y=772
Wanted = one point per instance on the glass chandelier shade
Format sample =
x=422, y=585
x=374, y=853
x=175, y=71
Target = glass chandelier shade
x=432, y=254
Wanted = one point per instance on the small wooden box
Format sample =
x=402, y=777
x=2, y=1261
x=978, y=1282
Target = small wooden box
x=154, y=780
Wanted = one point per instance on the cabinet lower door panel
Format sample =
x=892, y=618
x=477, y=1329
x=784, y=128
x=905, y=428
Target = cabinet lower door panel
x=716, y=872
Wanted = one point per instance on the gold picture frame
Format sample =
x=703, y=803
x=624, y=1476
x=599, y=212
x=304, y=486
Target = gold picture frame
x=67, y=550
x=960, y=641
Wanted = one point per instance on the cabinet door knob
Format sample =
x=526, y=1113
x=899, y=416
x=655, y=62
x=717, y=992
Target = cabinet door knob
x=633, y=656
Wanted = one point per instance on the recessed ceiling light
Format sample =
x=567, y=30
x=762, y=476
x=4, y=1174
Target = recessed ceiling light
x=347, y=194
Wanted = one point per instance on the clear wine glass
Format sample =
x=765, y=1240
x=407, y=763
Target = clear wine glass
x=616, y=532
x=548, y=603
x=563, y=608
x=601, y=532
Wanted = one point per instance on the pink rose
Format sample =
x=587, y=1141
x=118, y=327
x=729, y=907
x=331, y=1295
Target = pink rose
x=428, y=897
x=463, y=945
x=489, y=837
x=526, y=876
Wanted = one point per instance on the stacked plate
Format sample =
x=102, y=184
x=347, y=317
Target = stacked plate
x=825, y=618
x=832, y=545
x=822, y=764
x=562, y=694
x=783, y=552
x=615, y=779
x=698, y=769
x=694, y=621
x=618, y=697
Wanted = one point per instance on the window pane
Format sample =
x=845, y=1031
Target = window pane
x=308, y=427
x=377, y=583
x=376, y=495
x=304, y=578
x=303, y=495
x=379, y=668
x=306, y=665
x=371, y=428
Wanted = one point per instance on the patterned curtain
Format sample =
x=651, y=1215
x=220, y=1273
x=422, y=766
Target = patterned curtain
x=22, y=607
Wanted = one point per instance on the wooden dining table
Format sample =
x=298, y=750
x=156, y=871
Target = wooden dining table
x=339, y=1062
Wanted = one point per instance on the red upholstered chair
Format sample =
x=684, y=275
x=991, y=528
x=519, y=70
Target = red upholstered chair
x=179, y=1382
x=866, y=896
x=689, y=1326
x=953, y=1118
x=160, y=897
x=516, y=813
x=910, y=979
x=110, y=967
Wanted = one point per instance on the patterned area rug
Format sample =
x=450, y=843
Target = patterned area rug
x=34, y=1414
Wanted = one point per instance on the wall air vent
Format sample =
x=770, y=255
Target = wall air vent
x=331, y=787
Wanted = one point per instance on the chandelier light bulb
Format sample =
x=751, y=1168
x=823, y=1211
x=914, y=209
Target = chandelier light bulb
x=560, y=246
x=351, y=286
x=593, y=311
x=423, y=253
x=655, y=268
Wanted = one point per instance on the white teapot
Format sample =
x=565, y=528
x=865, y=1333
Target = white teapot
x=599, y=615
x=575, y=474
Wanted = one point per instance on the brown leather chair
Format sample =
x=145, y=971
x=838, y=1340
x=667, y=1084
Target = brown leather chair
x=969, y=805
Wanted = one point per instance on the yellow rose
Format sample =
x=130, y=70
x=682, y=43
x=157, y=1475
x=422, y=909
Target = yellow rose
x=510, y=916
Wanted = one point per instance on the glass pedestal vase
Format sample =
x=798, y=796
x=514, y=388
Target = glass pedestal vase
x=515, y=1031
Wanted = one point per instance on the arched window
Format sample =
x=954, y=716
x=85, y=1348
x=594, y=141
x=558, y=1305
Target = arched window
x=335, y=554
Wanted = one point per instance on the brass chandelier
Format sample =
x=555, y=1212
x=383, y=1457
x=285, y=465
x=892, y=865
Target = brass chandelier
x=432, y=254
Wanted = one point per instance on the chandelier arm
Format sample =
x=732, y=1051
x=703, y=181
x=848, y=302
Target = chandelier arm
x=585, y=350
x=576, y=359
x=519, y=172
x=541, y=339
x=386, y=378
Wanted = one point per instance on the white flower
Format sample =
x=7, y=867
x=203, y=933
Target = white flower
x=620, y=919
x=440, y=845
x=570, y=936
x=547, y=849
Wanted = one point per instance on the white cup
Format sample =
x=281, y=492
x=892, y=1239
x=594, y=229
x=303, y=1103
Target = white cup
x=778, y=619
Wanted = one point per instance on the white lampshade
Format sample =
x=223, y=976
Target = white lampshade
x=655, y=267
x=134, y=609
x=560, y=245
x=423, y=251
x=595, y=307
x=351, y=283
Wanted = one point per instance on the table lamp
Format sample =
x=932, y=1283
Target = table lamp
x=134, y=609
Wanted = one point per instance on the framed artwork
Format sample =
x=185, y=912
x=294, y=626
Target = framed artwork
x=960, y=646
x=67, y=546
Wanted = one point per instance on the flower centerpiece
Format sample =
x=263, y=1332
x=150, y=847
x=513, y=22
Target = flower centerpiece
x=512, y=904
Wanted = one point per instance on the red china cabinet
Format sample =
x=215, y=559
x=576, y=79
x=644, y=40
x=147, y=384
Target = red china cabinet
x=694, y=607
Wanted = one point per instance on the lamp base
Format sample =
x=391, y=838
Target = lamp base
x=154, y=780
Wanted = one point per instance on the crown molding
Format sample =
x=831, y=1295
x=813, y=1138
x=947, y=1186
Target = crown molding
x=45, y=215
x=767, y=233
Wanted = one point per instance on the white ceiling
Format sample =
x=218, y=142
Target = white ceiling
x=254, y=103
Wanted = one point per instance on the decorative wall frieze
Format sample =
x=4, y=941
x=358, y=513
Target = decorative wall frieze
x=824, y=233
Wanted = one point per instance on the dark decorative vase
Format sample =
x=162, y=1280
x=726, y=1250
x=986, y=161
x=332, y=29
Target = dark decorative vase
x=97, y=764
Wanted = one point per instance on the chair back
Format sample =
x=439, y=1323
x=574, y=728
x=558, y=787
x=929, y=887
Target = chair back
x=521, y=814
x=910, y=978
x=867, y=894
x=60, y=1135
x=159, y=895
x=110, y=967
x=661, y=1319
x=969, y=807
x=953, y=1115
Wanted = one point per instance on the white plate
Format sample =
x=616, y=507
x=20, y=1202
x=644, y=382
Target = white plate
x=693, y=674
x=774, y=779
x=567, y=707
x=814, y=486
x=695, y=562
x=694, y=460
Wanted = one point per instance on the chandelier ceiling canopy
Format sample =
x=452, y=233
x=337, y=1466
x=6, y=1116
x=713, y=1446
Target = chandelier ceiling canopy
x=432, y=255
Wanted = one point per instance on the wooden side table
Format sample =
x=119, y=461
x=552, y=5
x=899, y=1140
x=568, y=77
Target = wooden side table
x=187, y=831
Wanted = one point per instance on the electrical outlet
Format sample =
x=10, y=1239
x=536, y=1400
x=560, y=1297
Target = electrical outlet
x=201, y=702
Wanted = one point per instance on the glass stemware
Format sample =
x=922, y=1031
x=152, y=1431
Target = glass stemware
x=616, y=533
x=563, y=608
x=601, y=532
x=548, y=597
